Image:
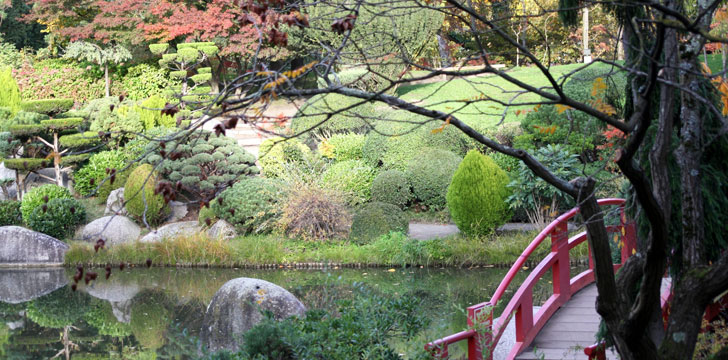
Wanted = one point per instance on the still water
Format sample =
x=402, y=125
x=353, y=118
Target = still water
x=158, y=312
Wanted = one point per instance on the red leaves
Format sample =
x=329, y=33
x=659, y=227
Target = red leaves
x=167, y=190
x=99, y=245
x=344, y=24
x=170, y=109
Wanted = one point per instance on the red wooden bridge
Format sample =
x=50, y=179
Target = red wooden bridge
x=566, y=323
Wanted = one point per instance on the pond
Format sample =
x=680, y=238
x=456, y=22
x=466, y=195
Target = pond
x=138, y=312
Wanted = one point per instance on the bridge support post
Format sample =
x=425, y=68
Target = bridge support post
x=480, y=318
x=562, y=266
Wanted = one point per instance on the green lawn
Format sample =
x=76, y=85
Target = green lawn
x=447, y=96
x=715, y=63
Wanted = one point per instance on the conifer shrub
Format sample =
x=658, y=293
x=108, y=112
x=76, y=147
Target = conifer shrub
x=430, y=173
x=314, y=213
x=275, y=153
x=376, y=219
x=342, y=147
x=477, y=195
x=392, y=187
x=206, y=216
x=252, y=205
x=352, y=177
x=151, y=115
x=23, y=117
x=141, y=201
x=9, y=91
x=87, y=139
x=6, y=114
x=10, y=213
x=59, y=218
x=41, y=195
x=49, y=107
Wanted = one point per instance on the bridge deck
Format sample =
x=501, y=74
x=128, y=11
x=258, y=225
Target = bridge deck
x=569, y=330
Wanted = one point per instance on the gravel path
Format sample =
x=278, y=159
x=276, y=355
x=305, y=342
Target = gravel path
x=421, y=231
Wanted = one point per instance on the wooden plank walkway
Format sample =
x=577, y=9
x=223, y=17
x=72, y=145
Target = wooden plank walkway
x=569, y=330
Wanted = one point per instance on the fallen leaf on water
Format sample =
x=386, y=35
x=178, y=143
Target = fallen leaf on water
x=391, y=270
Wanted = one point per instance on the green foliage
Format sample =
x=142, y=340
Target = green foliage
x=535, y=195
x=8, y=145
x=41, y=195
x=143, y=81
x=57, y=79
x=49, y=107
x=276, y=152
x=89, y=177
x=26, y=164
x=394, y=143
x=9, y=91
x=353, y=178
x=342, y=147
x=85, y=51
x=158, y=49
x=27, y=118
x=150, y=318
x=206, y=213
x=206, y=162
x=100, y=315
x=58, y=309
x=6, y=114
x=10, y=57
x=252, y=205
x=430, y=173
x=362, y=328
x=324, y=115
x=10, y=213
x=110, y=115
x=141, y=201
x=82, y=140
x=392, y=187
x=59, y=218
x=62, y=124
x=477, y=195
x=151, y=115
x=376, y=219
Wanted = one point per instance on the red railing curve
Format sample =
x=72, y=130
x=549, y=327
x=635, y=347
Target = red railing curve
x=483, y=335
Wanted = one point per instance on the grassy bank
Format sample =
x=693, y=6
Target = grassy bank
x=390, y=250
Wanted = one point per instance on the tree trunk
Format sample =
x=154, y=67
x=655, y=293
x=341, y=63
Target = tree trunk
x=443, y=50
x=57, y=159
x=107, y=81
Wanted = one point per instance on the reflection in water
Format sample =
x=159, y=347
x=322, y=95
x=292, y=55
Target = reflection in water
x=138, y=313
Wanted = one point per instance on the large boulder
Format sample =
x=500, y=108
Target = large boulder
x=115, y=203
x=237, y=307
x=22, y=247
x=177, y=211
x=113, y=229
x=173, y=230
x=22, y=285
x=221, y=230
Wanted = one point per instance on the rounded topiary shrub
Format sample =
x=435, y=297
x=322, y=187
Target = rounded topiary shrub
x=10, y=213
x=87, y=179
x=376, y=219
x=141, y=202
x=58, y=309
x=430, y=173
x=342, y=147
x=275, y=153
x=59, y=218
x=42, y=195
x=252, y=205
x=477, y=195
x=392, y=187
x=352, y=177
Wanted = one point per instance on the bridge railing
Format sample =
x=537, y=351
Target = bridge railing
x=483, y=335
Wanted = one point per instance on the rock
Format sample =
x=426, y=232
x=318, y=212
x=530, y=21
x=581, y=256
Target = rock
x=221, y=230
x=122, y=311
x=22, y=247
x=114, y=229
x=237, y=306
x=173, y=230
x=115, y=203
x=21, y=285
x=112, y=291
x=177, y=211
x=8, y=176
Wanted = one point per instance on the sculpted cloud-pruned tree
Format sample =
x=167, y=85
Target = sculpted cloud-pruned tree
x=102, y=56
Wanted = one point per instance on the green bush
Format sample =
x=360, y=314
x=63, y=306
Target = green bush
x=150, y=317
x=477, y=195
x=10, y=213
x=392, y=187
x=57, y=79
x=82, y=140
x=120, y=118
x=143, y=81
x=47, y=106
x=28, y=118
x=275, y=153
x=206, y=213
x=9, y=91
x=59, y=218
x=151, y=115
x=376, y=219
x=430, y=173
x=352, y=177
x=141, y=201
x=394, y=143
x=41, y=195
x=315, y=111
x=58, y=309
x=342, y=147
x=88, y=178
x=101, y=316
x=252, y=205
x=6, y=114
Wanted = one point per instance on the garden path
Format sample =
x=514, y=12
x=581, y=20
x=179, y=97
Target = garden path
x=422, y=231
x=275, y=116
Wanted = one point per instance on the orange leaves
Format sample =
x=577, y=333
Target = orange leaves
x=285, y=76
x=722, y=86
x=604, y=107
x=560, y=108
x=526, y=111
x=599, y=86
x=442, y=128
x=547, y=130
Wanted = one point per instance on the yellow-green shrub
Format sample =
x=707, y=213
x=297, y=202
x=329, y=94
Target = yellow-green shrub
x=141, y=202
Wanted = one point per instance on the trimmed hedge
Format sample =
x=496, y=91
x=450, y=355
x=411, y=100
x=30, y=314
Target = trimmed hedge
x=352, y=177
x=27, y=118
x=47, y=106
x=141, y=201
x=27, y=164
x=430, y=173
x=41, y=195
x=80, y=140
x=10, y=213
x=62, y=124
x=59, y=218
x=477, y=195
x=392, y=187
x=252, y=205
x=376, y=219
